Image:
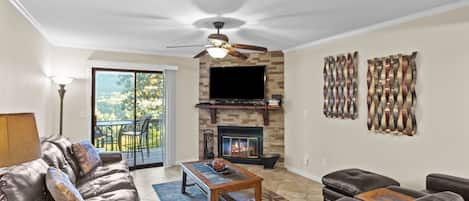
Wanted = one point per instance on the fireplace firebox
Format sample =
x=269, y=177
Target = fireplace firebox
x=240, y=144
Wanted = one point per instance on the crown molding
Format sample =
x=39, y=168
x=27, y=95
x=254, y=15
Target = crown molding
x=118, y=50
x=389, y=23
x=20, y=7
x=441, y=9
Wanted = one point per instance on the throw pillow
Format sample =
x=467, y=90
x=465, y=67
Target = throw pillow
x=24, y=182
x=87, y=156
x=60, y=186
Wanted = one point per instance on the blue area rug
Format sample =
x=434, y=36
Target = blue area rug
x=171, y=191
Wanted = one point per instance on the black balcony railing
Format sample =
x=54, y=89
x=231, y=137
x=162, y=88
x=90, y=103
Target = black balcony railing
x=107, y=135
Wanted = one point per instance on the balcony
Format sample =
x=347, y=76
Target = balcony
x=110, y=136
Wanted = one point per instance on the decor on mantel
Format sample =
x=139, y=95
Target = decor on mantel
x=341, y=86
x=391, y=94
x=264, y=109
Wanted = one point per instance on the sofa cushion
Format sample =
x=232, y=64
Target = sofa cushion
x=110, y=157
x=443, y=196
x=54, y=157
x=331, y=195
x=106, y=184
x=87, y=156
x=442, y=182
x=355, y=181
x=119, y=195
x=25, y=182
x=66, y=147
x=60, y=187
x=105, y=169
x=2, y=196
x=2, y=183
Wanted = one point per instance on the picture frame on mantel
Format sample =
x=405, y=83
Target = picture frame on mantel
x=341, y=86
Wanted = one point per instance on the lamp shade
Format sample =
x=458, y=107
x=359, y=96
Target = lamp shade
x=62, y=80
x=19, y=139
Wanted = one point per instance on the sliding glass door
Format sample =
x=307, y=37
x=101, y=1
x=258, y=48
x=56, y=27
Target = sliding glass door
x=129, y=114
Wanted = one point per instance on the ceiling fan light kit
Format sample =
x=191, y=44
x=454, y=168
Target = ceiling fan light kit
x=218, y=46
x=217, y=39
x=217, y=52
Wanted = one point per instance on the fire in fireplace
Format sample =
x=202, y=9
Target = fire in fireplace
x=243, y=147
x=240, y=144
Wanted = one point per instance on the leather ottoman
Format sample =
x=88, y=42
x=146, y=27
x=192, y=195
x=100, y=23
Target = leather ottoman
x=443, y=196
x=350, y=182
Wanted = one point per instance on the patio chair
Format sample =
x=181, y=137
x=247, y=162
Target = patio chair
x=99, y=137
x=102, y=138
x=138, y=137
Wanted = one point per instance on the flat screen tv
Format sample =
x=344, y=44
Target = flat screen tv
x=237, y=83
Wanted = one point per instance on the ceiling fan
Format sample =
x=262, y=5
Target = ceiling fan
x=218, y=46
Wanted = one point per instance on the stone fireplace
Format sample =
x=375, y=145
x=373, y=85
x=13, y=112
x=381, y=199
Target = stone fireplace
x=272, y=133
x=240, y=144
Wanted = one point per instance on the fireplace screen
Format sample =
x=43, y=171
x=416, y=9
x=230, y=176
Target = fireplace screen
x=241, y=147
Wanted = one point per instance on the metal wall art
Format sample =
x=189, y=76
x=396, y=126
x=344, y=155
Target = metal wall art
x=391, y=94
x=341, y=86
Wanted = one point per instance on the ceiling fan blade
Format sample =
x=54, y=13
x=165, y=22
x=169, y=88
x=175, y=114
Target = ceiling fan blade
x=183, y=46
x=200, y=54
x=249, y=47
x=237, y=54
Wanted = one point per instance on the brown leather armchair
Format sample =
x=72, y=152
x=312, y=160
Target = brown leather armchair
x=343, y=185
x=443, y=196
x=441, y=182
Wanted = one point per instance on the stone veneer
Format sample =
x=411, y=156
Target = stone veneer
x=274, y=132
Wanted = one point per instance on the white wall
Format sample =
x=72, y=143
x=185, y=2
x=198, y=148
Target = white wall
x=442, y=111
x=77, y=103
x=27, y=61
x=24, y=85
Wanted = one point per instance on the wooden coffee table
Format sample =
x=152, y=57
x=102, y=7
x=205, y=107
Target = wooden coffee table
x=215, y=184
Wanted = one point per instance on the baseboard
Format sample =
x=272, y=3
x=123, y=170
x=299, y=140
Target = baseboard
x=303, y=173
x=178, y=162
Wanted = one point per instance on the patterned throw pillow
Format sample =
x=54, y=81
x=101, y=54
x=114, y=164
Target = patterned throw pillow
x=60, y=187
x=87, y=156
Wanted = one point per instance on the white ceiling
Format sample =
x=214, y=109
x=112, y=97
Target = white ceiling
x=150, y=25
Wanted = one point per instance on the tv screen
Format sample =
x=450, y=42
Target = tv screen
x=244, y=83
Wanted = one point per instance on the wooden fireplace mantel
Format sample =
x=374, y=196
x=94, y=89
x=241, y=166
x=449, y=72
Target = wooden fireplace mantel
x=264, y=109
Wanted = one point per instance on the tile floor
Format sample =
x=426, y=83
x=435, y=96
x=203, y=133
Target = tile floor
x=289, y=185
x=155, y=155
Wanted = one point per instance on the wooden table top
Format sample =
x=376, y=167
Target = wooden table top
x=246, y=177
x=383, y=194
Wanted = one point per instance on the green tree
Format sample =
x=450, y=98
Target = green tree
x=149, y=92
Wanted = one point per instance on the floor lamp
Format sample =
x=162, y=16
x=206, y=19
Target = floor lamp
x=62, y=81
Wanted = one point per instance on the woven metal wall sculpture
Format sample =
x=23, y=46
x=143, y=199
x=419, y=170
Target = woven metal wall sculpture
x=391, y=94
x=341, y=86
